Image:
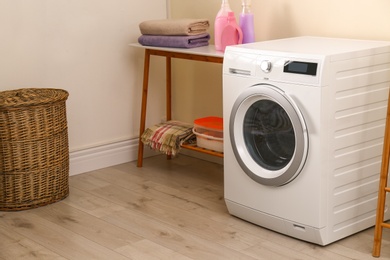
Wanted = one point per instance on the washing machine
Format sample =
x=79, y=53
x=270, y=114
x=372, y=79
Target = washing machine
x=304, y=124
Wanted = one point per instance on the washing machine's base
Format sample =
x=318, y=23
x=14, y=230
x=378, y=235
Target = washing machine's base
x=318, y=236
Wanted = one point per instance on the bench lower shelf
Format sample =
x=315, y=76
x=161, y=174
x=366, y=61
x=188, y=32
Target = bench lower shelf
x=194, y=147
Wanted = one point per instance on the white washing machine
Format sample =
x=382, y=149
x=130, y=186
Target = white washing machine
x=304, y=124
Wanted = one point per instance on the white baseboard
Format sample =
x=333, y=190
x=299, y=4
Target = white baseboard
x=116, y=153
x=103, y=156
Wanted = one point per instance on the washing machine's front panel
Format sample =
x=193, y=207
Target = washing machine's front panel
x=268, y=135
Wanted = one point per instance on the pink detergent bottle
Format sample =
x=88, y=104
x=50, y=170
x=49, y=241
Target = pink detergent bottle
x=221, y=21
x=231, y=34
x=247, y=23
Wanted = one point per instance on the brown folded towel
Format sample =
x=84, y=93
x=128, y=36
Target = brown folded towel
x=174, y=27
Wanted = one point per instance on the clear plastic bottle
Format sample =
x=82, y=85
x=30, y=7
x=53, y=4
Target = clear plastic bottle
x=247, y=22
x=221, y=21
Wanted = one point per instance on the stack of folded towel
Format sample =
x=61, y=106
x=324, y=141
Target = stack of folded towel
x=167, y=137
x=177, y=33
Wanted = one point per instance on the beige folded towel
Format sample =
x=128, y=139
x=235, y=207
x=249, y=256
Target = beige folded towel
x=174, y=27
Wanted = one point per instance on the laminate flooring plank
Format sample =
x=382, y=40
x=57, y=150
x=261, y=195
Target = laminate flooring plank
x=132, y=180
x=211, y=204
x=199, y=196
x=89, y=203
x=176, y=195
x=85, y=182
x=87, y=226
x=174, y=238
x=362, y=243
x=273, y=251
x=56, y=238
x=149, y=250
x=171, y=214
x=15, y=246
x=348, y=252
x=184, y=172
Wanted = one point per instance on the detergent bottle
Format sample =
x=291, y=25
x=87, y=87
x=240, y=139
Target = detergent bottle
x=221, y=21
x=231, y=34
x=247, y=22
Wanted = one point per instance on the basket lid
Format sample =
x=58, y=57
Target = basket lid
x=31, y=97
x=212, y=122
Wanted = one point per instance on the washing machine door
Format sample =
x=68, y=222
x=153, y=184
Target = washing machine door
x=268, y=135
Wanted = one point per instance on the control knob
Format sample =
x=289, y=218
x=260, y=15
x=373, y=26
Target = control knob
x=266, y=66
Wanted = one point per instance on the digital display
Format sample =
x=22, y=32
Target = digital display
x=299, y=67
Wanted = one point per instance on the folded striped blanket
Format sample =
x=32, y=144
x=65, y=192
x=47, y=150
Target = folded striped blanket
x=167, y=137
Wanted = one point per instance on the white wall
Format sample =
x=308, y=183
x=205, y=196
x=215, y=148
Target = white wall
x=285, y=18
x=82, y=46
x=361, y=19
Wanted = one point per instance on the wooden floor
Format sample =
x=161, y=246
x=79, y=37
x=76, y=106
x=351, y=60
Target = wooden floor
x=169, y=209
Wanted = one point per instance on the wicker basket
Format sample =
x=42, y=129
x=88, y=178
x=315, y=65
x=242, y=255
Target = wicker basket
x=34, y=152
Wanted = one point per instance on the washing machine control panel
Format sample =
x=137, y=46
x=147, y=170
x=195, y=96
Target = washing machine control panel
x=288, y=69
x=301, y=69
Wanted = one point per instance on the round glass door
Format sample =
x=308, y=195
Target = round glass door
x=268, y=135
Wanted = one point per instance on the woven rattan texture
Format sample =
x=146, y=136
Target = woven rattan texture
x=34, y=153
